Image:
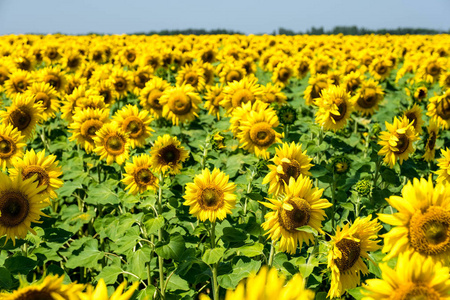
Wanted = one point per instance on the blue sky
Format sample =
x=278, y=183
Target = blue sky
x=252, y=16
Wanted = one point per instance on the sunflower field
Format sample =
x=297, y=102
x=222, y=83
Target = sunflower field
x=224, y=167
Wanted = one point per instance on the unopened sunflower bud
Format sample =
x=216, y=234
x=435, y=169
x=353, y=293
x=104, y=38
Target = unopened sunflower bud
x=363, y=187
x=287, y=115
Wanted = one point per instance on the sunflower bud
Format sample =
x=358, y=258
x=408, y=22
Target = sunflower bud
x=287, y=115
x=363, y=187
x=341, y=164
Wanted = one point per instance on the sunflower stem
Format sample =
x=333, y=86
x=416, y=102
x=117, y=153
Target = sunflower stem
x=214, y=268
x=160, y=259
x=286, y=133
x=375, y=177
x=205, y=152
x=333, y=200
x=271, y=254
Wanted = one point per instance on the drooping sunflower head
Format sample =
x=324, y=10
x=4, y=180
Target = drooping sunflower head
x=414, y=116
x=348, y=248
x=23, y=114
x=136, y=123
x=289, y=162
x=20, y=204
x=397, y=141
x=422, y=223
x=11, y=145
x=86, y=123
x=210, y=196
x=439, y=109
x=368, y=97
x=167, y=154
x=334, y=108
x=151, y=94
x=300, y=205
x=414, y=277
x=240, y=92
x=139, y=176
x=180, y=104
x=112, y=143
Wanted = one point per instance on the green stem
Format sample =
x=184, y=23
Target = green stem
x=357, y=207
x=205, y=152
x=160, y=259
x=249, y=189
x=271, y=255
x=333, y=200
x=286, y=133
x=214, y=268
x=376, y=176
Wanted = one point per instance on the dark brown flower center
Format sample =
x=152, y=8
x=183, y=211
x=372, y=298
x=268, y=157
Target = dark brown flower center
x=241, y=96
x=14, y=208
x=291, y=169
x=368, y=98
x=297, y=217
x=350, y=251
x=169, y=155
x=120, y=84
x=144, y=177
x=134, y=126
x=43, y=98
x=211, y=198
x=7, y=147
x=402, y=144
x=153, y=99
x=342, y=108
x=262, y=134
x=443, y=108
x=141, y=79
x=180, y=103
x=42, y=176
x=20, y=119
x=233, y=75
x=433, y=69
x=53, y=80
x=115, y=145
x=191, y=78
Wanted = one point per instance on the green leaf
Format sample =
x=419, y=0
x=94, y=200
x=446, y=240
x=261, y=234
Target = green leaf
x=171, y=249
x=307, y=229
x=5, y=279
x=88, y=257
x=103, y=194
x=138, y=262
x=109, y=274
x=57, y=235
x=242, y=269
x=177, y=283
x=211, y=256
x=20, y=264
x=356, y=293
x=348, y=206
x=154, y=224
x=318, y=171
x=254, y=196
x=251, y=250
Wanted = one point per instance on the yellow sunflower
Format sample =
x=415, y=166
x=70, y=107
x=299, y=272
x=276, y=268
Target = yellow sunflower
x=241, y=113
x=420, y=94
x=240, y=92
x=430, y=69
x=421, y=223
x=397, y=141
x=334, y=108
x=414, y=116
x=23, y=114
x=282, y=73
x=368, y=97
x=72, y=60
x=112, y=143
x=380, y=68
x=192, y=75
x=430, y=146
x=316, y=84
x=268, y=285
x=444, y=80
x=21, y=202
x=439, y=109
x=54, y=76
x=231, y=72
x=167, y=154
x=257, y=132
x=136, y=123
x=86, y=123
x=101, y=292
x=46, y=95
x=17, y=83
x=444, y=167
x=300, y=205
x=273, y=94
x=180, y=104
x=106, y=90
x=122, y=81
x=353, y=81
x=301, y=67
x=51, y=287
x=140, y=78
x=214, y=95
x=139, y=177
x=348, y=248
x=74, y=81
x=414, y=277
x=81, y=98
x=11, y=145
x=45, y=167
x=150, y=96
x=289, y=162
x=210, y=196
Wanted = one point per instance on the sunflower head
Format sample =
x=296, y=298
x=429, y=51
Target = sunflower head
x=112, y=143
x=334, y=108
x=139, y=176
x=167, y=154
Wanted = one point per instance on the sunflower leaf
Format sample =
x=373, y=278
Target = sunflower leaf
x=307, y=229
x=212, y=256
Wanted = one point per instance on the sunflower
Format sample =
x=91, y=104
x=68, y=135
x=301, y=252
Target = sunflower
x=257, y=132
x=127, y=56
x=439, y=109
x=421, y=223
x=72, y=60
x=101, y=292
x=81, y=98
x=136, y=123
x=192, y=75
x=380, y=68
x=140, y=77
x=51, y=287
x=241, y=113
x=368, y=97
x=430, y=146
x=167, y=154
x=23, y=114
x=51, y=54
x=86, y=122
x=268, y=285
x=414, y=116
x=320, y=64
x=334, y=108
x=45, y=167
x=180, y=104
x=214, y=95
x=414, y=277
x=397, y=141
x=444, y=167
x=353, y=81
x=273, y=94
x=315, y=86
x=5, y=72
x=139, y=177
x=106, y=90
x=18, y=83
x=282, y=73
x=420, y=94
x=150, y=96
x=21, y=202
x=444, y=80
x=231, y=72
x=46, y=95
x=210, y=196
x=301, y=67
x=348, y=248
x=122, y=81
x=289, y=162
x=54, y=76
x=430, y=69
x=239, y=92
x=299, y=206
x=11, y=145
x=112, y=143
